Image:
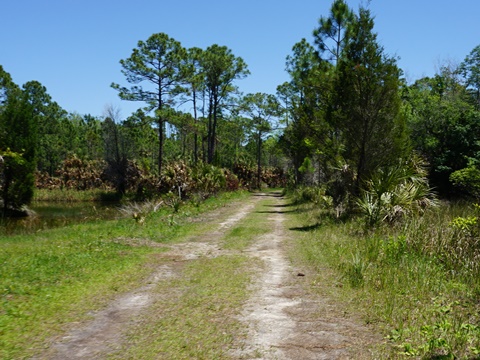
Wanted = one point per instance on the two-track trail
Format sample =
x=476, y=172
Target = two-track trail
x=283, y=318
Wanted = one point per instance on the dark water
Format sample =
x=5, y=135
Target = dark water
x=57, y=214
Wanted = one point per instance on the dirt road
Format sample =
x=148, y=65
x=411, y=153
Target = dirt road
x=284, y=318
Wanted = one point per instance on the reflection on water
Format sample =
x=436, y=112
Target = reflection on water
x=56, y=214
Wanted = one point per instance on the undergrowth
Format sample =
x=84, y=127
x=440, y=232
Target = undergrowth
x=417, y=282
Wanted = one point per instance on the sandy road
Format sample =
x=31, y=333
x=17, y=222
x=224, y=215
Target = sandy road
x=285, y=320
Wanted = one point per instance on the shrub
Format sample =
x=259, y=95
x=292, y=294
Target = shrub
x=467, y=181
x=177, y=178
x=209, y=179
x=16, y=180
x=312, y=194
x=393, y=193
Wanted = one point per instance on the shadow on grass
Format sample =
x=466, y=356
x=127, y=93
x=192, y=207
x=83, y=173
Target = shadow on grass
x=306, y=228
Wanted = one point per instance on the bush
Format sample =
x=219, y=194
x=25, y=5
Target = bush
x=311, y=194
x=209, y=179
x=177, y=177
x=79, y=174
x=394, y=193
x=467, y=181
x=16, y=181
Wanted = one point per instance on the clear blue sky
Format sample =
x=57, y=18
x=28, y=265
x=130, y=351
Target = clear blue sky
x=73, y=47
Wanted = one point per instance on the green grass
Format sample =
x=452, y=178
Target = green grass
x=196, y=317
x=252, y=226
x=73, y=195
x=44, y=281
x=51, y=278
x=409, y=283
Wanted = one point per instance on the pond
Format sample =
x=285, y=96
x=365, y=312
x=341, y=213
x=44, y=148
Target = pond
x=57, y=214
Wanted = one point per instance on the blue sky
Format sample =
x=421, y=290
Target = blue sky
x=73, y=47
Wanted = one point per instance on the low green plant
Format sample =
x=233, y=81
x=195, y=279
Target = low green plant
x=355, y=269
x=173, y=201
x=469, y=225
x=139, y=211
x=442, y=335
x=394, y=193
x=311, y=194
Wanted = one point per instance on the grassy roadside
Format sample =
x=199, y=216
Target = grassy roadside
x=423, y=308
x=51, y=278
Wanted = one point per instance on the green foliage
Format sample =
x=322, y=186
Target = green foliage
x=18, y=137
x=470, y=70
x=16, y=181
x=262, y=110
x=467, y=180
x=345, y=109
x=368, y=103
x=468, y=226
x=209, y=179
x=311, y=194
x=444, y=127
x=307, y=166
x=47, y=114
x=220, y=68
x=156, y=62
x=394, y=193
x=332, y=34
x=307, y=98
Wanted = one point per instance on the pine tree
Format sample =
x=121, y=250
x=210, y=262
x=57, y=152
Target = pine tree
x=367, y=102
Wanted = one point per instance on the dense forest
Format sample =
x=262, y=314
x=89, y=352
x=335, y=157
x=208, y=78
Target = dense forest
x=347, y=122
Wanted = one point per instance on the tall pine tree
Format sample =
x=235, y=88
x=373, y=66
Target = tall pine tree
x=367, y=112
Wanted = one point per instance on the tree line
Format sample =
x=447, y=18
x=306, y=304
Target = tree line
x=345, y=116
x=193, y=112
x=356, y=126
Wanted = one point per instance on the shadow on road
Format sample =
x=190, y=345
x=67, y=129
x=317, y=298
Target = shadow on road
x=280, y=206
x=306, y=228
x=277, y=194
x=280, y=211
